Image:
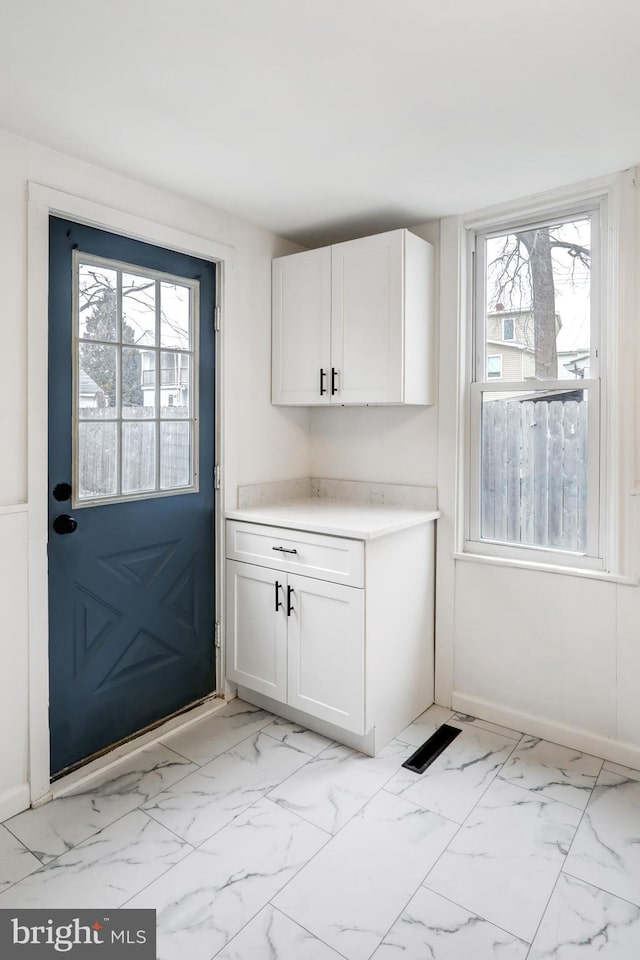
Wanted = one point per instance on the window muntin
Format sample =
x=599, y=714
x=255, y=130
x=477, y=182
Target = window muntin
x=135, y=382
x=535, y=433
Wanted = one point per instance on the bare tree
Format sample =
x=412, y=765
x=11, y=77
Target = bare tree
x=98, y=314
x=523, y=272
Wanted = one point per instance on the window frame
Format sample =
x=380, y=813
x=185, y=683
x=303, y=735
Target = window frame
x=513, y=220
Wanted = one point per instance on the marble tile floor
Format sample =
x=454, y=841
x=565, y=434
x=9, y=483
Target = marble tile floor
x=255, y=839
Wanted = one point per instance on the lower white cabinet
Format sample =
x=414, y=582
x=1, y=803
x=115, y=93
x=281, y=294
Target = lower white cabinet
x=331, y=632
x=257, y=647
x=298, y=640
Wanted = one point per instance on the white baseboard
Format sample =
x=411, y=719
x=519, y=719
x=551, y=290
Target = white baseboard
x=617, y=751
x=14, y=801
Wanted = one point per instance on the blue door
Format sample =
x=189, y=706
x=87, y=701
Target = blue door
x=131, y=492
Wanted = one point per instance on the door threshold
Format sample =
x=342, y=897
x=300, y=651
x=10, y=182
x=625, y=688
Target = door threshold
x=123, y=751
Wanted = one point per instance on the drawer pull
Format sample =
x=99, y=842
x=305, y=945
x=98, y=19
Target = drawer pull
x=289, y=604
x=285, y=549
x=278, y=604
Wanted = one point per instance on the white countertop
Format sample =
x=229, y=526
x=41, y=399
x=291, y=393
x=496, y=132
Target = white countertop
x=338, y=518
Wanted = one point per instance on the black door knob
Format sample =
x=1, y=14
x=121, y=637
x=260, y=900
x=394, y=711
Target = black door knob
x=65, y=524
x=62, y=491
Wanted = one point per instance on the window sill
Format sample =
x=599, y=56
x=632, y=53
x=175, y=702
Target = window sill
x=565, y=571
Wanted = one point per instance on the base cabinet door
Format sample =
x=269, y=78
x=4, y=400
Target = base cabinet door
x=257, y=632
x=326, y=651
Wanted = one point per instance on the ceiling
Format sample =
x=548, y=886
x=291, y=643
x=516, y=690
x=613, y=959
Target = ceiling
x=325, y=119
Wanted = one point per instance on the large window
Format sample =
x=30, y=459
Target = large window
x=535, y=417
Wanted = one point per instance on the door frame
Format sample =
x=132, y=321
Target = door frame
x=43, y=201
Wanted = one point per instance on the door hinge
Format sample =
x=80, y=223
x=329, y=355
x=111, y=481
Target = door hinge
x=216, y=318
x=217, y=636
x=216, y=477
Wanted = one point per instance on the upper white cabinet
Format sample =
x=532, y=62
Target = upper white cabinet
x=352, y=323
x=301, y=328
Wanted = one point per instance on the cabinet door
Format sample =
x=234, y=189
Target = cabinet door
x=301, y=316
x=368, y=319
x=256, y=632
x=326, y=651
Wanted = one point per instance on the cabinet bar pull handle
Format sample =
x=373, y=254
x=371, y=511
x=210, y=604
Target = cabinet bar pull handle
x=289, y=604
x=334, y=374
x=278, y=604
x=323, y=389
x=284, y=549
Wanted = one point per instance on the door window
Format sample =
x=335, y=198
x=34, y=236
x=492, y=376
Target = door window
x=135, y=390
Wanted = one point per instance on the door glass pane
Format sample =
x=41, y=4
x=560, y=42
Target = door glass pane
x=138, y=456
x=138, y=383
x=175, y=455
x=97, y=302
x=138, y=310
x=143, y=396
x=97, y=381
x=148, y=376
x=97, y=460
x=175, y=385
x=534, y=468
x=175, y=311
x=538, y=312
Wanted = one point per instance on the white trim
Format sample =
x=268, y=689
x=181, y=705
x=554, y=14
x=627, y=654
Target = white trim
x=567, y=571
x=453, y=348
x=606, y=748
x=10, y=508
x=553, y=202
x=43, y=201
x=620, y=402
x=13, y=801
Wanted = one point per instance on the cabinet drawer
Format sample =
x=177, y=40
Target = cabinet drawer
x=310, y=554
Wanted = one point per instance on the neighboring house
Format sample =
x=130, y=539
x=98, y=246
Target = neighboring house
x=89, y=393
x=174, y=379
x=509, y=361
x=511, y=347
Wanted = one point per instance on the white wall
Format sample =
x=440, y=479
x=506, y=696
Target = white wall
x=261, y=442
x=379, y=444
x=554, y=655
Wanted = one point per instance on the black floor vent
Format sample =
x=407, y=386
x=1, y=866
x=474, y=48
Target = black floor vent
x=431, y=748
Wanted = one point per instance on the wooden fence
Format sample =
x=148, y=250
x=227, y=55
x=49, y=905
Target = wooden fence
x=98, y=451
x=534, y=472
